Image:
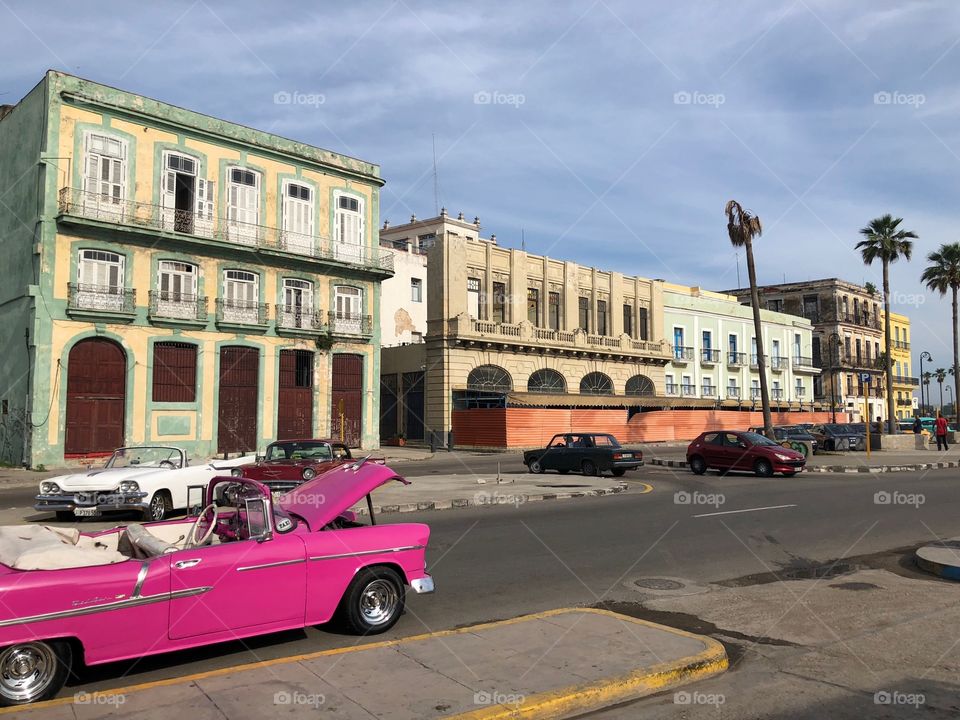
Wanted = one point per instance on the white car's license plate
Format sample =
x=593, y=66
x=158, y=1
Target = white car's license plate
x=86, y=512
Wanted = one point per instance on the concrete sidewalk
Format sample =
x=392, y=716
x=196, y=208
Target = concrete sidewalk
x=443, y=492
x=554, y=664
x=879, y=461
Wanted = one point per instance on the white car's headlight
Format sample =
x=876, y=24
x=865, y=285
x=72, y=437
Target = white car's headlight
x=129, y=486
x=49, y=488
x=237, y=472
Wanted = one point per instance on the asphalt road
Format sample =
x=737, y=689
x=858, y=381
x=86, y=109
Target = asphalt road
x=503, y=561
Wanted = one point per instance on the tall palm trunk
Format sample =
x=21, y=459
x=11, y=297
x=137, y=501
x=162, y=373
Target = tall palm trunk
x=891, y=412
x=758, y=329
x=956, y=361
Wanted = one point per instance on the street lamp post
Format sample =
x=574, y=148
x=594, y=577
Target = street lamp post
x=950, y=388
x=833, y=377
x=923, y=356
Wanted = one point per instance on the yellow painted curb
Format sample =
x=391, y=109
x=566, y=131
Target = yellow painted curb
x=586, y=697
x=552, y=704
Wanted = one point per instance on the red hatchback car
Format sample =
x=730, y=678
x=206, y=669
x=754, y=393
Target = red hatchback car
x=289, y=463
x=746, y=451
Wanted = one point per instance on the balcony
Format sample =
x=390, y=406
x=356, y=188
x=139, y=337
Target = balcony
x=800, y=391
x=681, y=354
x=736, y=359
x=779, y=364
x=297, y=320
x=905, y=403
x=755, y=361
x=672, y=389
x=468, y=331
x=144, y=219
x=101, y=302
x=755, y=393
x=688, y=390
x=709, y=356
x=805, y=363
x=901, y=345
x=776, y=394
x=349, y=325
x=861, y=320
x=242, y=314
x=708, y=391
x=905, y=380
x=733, y=393
x=177, y=308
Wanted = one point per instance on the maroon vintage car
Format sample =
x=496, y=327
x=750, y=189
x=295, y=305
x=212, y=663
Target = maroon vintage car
x=288, y=463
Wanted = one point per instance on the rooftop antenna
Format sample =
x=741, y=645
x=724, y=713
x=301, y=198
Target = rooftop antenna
x=737, y=253
x=436, y=178
x=523, y=242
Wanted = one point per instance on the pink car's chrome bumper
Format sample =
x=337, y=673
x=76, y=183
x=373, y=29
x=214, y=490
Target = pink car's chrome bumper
x=423, y=585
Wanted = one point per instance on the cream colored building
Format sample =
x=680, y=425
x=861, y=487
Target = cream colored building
x=501, y=320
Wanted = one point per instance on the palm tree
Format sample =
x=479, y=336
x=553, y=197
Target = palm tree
x=887, y=243
x=743, y=227
x=926, y=381
x=940, y=375
x=942, y=274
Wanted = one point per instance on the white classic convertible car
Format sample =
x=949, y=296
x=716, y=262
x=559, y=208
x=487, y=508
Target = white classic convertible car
x=151, y=479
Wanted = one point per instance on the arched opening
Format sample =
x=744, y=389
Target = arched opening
x=640, y=385
x=546, y=381
x=596, y=383
x=96, y=397
x=489, y=378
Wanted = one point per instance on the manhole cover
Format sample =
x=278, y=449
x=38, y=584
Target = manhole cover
x=658, y=584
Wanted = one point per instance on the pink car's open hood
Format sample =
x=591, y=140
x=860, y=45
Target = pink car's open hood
x=322, y=499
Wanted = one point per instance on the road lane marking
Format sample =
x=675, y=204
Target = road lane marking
x=733, y=512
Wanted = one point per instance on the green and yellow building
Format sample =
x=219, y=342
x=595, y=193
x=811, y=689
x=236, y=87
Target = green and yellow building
x=173, y=278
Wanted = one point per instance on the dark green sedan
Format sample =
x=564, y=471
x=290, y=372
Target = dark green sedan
x=588, y=453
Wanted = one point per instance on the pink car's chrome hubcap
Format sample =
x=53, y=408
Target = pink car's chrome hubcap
x=378, y=602
x=26, y=670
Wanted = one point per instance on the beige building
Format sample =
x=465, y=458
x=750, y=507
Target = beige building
x=403, y=306
x=847, y=343
x=501, y=320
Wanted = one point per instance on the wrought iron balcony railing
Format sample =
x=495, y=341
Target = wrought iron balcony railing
x=294, y=317
x=779, y=363
x=682, y=353
x=241, y=312
x=101, y=298
x=672, y=389
x=708, y=355
x=755, y=361
x=709, y=391
x=166, y=305
x=736, y=359
x=733, y=393
x=145, y=216
x=349, y=323
x=755, y=393
x=688, y=390
x=777, y=394
x=800, y=361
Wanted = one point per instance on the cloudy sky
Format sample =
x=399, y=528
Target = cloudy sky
x=611, y=133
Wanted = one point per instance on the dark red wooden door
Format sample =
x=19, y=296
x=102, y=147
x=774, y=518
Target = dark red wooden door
x=295, y=402
x=96, y=392
x=347, y=399
x=239, y=399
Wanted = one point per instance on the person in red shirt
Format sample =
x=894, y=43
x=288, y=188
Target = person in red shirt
x=940, y=426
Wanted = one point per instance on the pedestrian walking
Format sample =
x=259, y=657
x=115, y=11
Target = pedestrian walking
x=917, y=426
x=940, y=426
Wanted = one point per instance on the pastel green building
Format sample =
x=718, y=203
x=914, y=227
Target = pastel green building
x=174, y=278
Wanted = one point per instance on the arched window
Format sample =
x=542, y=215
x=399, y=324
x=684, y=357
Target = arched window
x=596, y=383
x=546, y=381
x=640, y=385
x=489, y=378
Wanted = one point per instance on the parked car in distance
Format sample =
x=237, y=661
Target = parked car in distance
x=288, y=463
x=746, y=451
x=589, y=453
x=840, y=436
x=243, y=566
x=149, y=479
x=783, y=434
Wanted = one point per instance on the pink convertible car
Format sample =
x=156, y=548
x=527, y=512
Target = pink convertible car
x=242, y=566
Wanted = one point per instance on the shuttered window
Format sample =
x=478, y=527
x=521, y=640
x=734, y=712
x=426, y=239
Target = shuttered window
x=174, y=372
